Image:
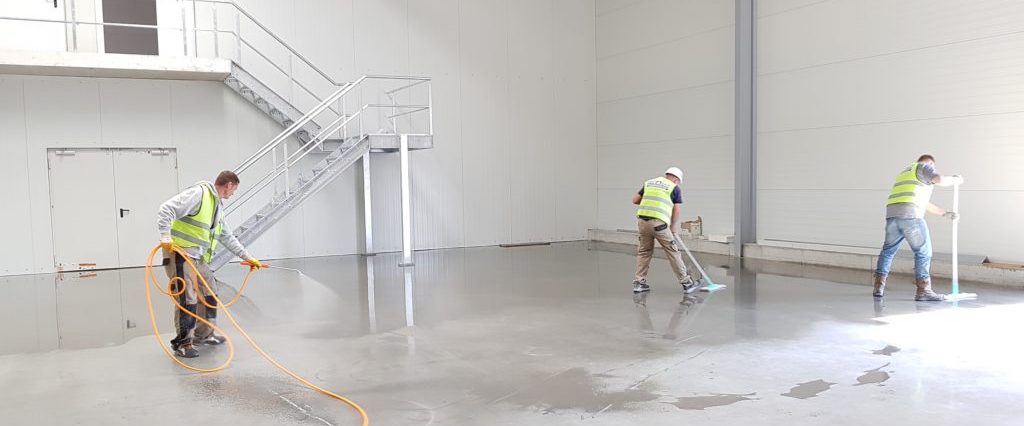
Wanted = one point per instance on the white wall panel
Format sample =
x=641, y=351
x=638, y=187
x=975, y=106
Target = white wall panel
x=135, y=112
x=767, y=8
x=515, y=110
x=14, y=171
x=532, y=120
x=665, y=98
x=609, y=6
x=684, y=63
x=688, y=113
x=878, y=27
x=204, y=117
x=575, y=109
x=75, y=101
x=842, y=112
x=970, y=78
x=438, y=194
x=658, y=21
x=486, y=137
x=382, y=36
x=700, y=160
x=967, y=145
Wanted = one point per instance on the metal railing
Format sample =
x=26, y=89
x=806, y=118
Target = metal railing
x=206, y=19
x=289, y=160
x=331, y=105
x=194, y=23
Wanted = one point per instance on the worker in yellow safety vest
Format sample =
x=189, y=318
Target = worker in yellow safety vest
x=658, y=218
x=909, y=199
x=193, y=221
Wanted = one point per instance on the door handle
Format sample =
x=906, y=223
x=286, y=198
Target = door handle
x=124, y=212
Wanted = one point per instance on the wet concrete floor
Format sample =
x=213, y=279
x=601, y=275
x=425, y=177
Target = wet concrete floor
x=547, y=335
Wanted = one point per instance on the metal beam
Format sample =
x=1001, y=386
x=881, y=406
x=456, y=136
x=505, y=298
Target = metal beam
x=367, y=207
x=746, y=125
x=406, y=208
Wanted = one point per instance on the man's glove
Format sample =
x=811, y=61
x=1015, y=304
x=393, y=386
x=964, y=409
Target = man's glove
x=956, y=180
x=165, y=242
x=951, y=215
x=254, y=264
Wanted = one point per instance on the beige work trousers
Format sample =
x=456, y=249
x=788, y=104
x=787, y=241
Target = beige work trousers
x=187, y=328
x=645, y=250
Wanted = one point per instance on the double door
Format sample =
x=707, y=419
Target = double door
x=104, y=203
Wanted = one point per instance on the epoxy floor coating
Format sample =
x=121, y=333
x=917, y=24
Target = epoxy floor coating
x=548, y=335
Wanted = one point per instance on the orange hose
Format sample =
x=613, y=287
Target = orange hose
x=151, y=279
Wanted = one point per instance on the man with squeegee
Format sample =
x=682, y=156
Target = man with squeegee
x=908, y=201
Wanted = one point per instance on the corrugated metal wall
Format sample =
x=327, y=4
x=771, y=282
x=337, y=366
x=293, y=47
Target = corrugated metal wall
x=665, y=98
x=850, y=91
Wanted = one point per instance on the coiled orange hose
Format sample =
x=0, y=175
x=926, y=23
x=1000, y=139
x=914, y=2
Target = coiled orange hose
x=151, y=279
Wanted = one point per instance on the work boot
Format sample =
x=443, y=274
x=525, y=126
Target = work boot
x=640, y=287
x=925, y=293
x=689, y=285
x=186, y=350
x=879, y=284
x=213, y=339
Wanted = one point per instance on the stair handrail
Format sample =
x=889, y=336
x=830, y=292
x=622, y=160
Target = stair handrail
x=335, y=125
x=240, y=41
x=297, y=125
x=266, y=30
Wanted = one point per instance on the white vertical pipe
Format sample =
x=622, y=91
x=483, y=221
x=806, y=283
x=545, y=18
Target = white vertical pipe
x=410, y=319
x=370, y=295
x=406, y=212
x=956, y=262
x=367, y=205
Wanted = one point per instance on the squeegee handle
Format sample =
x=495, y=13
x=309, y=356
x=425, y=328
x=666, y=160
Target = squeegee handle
x=249, y=264
x=956, y=209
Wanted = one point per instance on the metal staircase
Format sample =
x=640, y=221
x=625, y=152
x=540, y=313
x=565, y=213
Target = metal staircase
x=319, y=143
x=321, y=116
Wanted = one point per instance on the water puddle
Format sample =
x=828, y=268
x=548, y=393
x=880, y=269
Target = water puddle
x=809, y=389
x=888, y=350
x=875, y=376
x=576, y=389
x=713, y=400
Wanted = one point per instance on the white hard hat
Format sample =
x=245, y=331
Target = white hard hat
x=674, y=171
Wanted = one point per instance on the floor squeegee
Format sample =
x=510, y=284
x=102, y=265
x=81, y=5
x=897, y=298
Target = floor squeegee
x=955, y=293
x=709, y=285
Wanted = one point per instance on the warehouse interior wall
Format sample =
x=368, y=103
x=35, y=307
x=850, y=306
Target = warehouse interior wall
x=514, y=119
x=665, y=98
x=850, y=92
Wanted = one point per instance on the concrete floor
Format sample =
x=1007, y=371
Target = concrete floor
x=524, y=336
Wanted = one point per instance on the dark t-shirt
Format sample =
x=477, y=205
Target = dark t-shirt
x=677, y=195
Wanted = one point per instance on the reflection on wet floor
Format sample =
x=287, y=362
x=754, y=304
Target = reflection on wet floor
x=536, y=335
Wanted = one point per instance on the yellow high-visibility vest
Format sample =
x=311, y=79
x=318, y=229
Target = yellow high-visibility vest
x=908, y=189
x=199, y=230
x=657, y=200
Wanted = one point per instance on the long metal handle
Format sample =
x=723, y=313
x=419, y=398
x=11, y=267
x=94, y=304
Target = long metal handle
x=692, y=258
x=956, y=221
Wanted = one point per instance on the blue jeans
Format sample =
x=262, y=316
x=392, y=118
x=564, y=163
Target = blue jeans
x=915, y=231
